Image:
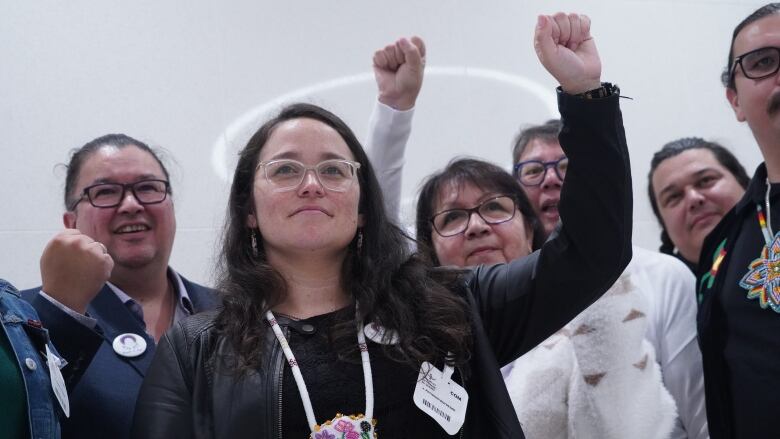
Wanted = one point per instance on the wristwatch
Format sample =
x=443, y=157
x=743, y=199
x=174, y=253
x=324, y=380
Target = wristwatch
x=605, y=90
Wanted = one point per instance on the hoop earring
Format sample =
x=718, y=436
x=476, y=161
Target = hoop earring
x=253, y=238
x=359, y=241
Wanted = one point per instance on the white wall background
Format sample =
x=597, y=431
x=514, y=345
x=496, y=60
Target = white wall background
x=178, y=74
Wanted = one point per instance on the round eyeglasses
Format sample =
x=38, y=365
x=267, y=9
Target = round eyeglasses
x=333, y=175
x=532, y=172
x=758, y=64
x=492, y=211
x=105, y=195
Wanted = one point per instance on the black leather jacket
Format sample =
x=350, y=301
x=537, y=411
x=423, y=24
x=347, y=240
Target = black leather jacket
x=189, y=394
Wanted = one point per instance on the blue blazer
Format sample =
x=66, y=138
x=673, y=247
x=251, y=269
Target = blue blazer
x=102, y=403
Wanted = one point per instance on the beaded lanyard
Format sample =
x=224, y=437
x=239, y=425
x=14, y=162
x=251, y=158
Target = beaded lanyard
x=342, y=426
x=763, y=277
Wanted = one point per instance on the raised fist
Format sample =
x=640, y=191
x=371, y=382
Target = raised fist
x=74, y=267
x=566, y=49
x=399, y=69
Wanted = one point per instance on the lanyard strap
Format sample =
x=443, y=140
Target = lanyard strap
x=296, y=371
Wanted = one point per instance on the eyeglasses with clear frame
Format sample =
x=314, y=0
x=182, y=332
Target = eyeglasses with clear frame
x=105, y=195
x=758, y=64
x=496, y=210
x=532, y=172
x=286, y=174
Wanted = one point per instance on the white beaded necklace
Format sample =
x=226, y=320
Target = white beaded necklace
x=336, y=427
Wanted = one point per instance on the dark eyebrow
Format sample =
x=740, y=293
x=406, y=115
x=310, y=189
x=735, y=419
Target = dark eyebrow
x=695, y=174
x=750, y=52
x=286, y=155
x=485, y=197
x=666, y=190
x=540, y=160
x=141, y=177
x=292, y=155
x=333, y=156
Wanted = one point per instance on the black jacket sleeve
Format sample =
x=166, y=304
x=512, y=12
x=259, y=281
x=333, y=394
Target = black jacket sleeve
x=525, y=301
x=76, y=343
x=164, y=405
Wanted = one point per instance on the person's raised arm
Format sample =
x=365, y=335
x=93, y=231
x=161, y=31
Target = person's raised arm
x=527, y=300
x=74, y=268
x=398, y=69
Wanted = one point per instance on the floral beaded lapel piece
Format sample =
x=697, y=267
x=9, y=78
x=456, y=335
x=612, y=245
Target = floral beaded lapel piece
x=763, y=277
x=345, y=427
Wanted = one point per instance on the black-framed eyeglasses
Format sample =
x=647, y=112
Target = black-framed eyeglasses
x=107, y=195
x=335, y=175
x=532, y=172
x=758, y=64
x=495, y=210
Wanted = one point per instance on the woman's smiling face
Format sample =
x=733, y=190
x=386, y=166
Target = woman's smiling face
x=480, y=243
x=309, y=217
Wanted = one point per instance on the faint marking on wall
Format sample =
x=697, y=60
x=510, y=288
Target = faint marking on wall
x=250, y=119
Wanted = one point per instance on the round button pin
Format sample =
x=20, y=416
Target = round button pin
x=30, y=363
x=129, y=345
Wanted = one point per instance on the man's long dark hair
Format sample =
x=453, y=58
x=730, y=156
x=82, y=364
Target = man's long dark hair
x=672, y=149
x=394, y=288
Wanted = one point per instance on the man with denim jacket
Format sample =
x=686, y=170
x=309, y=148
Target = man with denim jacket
x=28, y=405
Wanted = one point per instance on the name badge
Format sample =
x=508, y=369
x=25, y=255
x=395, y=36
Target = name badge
x=441, y=398
x=57, y=382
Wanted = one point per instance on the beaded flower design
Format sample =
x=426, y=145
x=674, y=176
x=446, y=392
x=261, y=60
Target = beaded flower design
x=346, y=427
x=763, y=277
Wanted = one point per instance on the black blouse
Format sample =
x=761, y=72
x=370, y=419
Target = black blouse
x=337, y=386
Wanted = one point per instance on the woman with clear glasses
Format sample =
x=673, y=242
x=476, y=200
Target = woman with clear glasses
x=330, y=328
x=329, y=323
x=287, y=174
